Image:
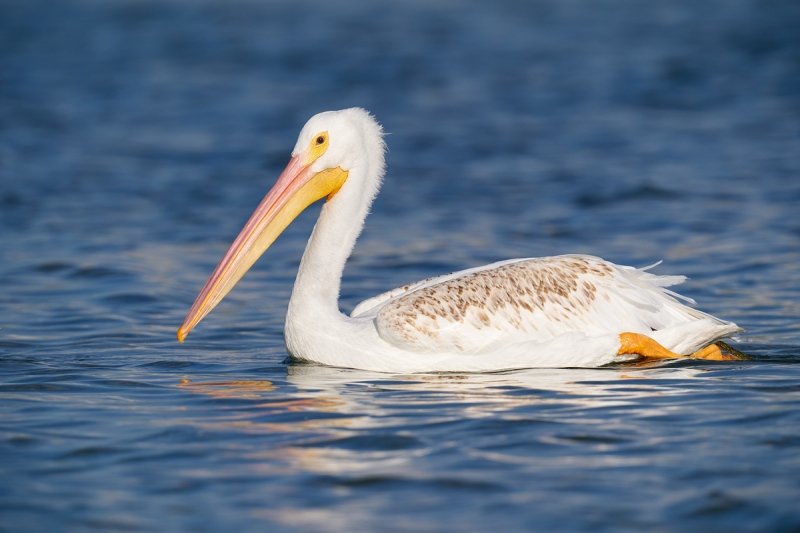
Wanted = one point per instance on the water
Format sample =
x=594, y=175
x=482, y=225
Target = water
x=136, y=138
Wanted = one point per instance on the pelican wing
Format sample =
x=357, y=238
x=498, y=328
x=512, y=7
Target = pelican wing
x=483, y=309
x=370, y=304
x=374, y=304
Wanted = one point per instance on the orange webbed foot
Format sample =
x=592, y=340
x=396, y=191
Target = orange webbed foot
x=642, y=345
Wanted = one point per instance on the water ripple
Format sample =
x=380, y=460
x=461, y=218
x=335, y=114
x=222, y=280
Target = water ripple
x=136, y=137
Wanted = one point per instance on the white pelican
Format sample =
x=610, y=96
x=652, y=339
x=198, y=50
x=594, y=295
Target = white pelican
x=564, y=311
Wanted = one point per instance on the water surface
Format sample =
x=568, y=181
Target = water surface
x=136, y=137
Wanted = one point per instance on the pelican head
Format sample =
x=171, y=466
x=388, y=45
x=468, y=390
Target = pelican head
x=338, y=154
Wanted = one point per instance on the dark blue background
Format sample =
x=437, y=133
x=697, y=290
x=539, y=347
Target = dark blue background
x=136, y=137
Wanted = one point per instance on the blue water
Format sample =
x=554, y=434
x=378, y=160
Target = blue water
x=136, y=138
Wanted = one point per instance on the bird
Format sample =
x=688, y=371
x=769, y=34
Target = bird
x=557, y=312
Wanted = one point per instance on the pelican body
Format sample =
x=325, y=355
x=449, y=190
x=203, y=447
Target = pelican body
x=564, y=311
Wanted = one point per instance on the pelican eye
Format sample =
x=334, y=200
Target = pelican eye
x=317, y=146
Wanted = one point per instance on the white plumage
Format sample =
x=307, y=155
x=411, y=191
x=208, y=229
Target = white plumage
x=569, y=310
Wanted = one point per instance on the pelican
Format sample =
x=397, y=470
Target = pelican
x=563, y=311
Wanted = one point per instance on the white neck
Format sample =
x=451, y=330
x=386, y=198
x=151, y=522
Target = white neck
x=319, y=276
x=314, y=325
x=314, y=305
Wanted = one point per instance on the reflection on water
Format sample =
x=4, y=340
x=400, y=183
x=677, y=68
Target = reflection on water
x=229, y=389
x=374, y=418
x=576, y=433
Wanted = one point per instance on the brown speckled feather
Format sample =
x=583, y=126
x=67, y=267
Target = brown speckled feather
x=524, y=300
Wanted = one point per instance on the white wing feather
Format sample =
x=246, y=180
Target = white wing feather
x=528, y=300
